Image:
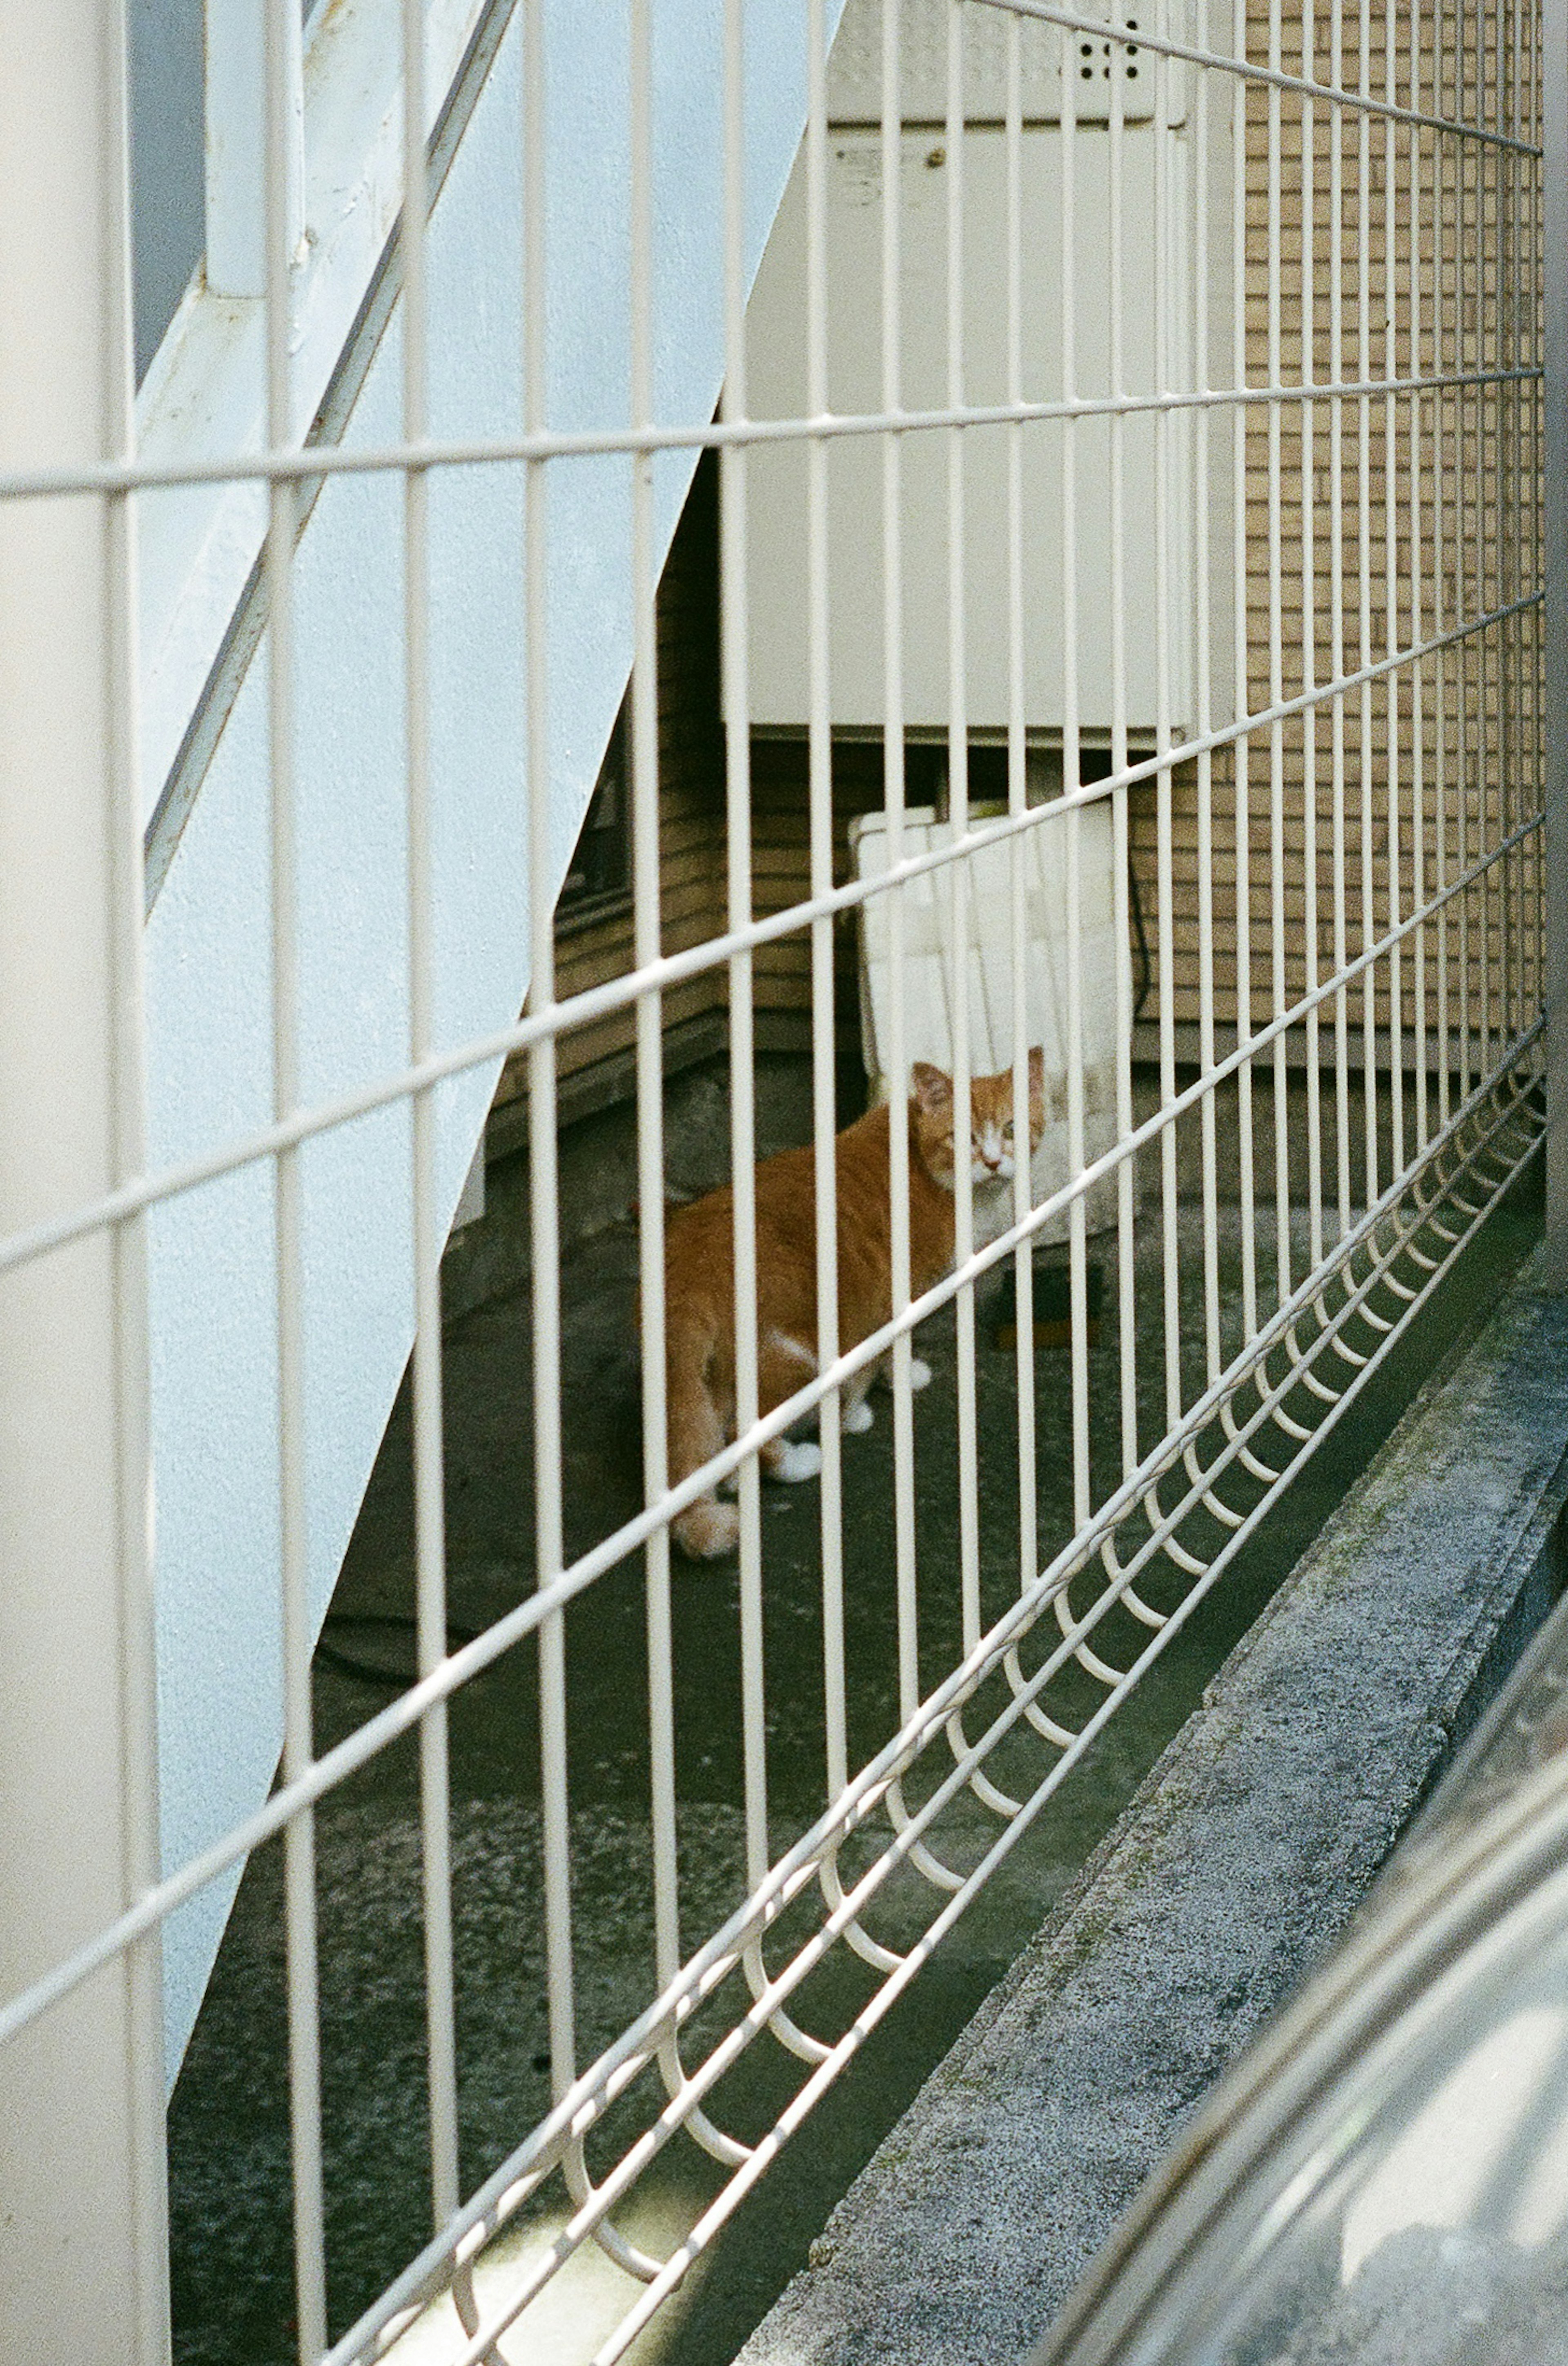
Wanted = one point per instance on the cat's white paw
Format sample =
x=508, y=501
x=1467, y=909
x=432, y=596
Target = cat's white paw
x=803, y=1461
x=919, y=1373
x=706, y=1530
x=857, y=1417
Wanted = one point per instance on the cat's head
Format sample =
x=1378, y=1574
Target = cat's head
x=995, y=1137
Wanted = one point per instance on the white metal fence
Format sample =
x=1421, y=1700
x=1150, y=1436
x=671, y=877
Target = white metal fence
x=1155, y=401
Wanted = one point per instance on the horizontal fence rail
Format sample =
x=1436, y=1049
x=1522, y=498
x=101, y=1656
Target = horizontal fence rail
x=1120, y=626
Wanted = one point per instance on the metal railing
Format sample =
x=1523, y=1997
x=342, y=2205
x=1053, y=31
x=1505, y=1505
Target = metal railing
x=1333, y=799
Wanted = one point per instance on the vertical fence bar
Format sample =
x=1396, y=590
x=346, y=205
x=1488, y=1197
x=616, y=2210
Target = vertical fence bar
x=736, y=695
x=1554, y=312
x=1520, y=176
x=957, y=888
x=646, y=932
x=235, y=42
x=734, y=594
x=1391, y=570
x=1417, y=601
x=1364, y=596
x=824, y=1064
x=1441, y=362
x=1018, y=783
x=1515, y=169
x=1477, y=643
x=82, y=2089
x=650, y=1017
x=1241, y=652
x=1506, y=522
x=1530, y=464
x=1072, y=764
x=1307, y=373
x=1203, y=719
x=1535, y=353
x=544, y=1202
x=430, y=1506
x=1465, y=351
x=298, y=1638
x=1276, y=678
x=893, y=791
x=1483, y=478
x=1120, y=816
x=1509, y=521
x=1336, y=605
x=1164, y=859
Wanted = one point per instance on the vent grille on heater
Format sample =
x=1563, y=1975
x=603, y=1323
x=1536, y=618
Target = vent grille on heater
x=1098, y=67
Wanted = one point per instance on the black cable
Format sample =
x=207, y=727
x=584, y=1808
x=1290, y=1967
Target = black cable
x=1145, y=968
x=365, y=1670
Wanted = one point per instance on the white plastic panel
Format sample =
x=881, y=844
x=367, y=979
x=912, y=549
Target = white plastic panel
x=964, y=912
x=855, y=69
x=777, y=473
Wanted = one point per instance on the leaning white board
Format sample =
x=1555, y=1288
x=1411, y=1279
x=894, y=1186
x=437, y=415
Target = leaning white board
x=959, y=917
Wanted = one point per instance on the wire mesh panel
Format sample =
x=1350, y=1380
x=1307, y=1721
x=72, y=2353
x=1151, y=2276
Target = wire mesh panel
x=1084, y=737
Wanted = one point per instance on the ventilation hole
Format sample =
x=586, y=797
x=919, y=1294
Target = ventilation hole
x=1132, y=74
x=1086, y=48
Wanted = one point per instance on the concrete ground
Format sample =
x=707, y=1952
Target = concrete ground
x=1225, y=1882
x=228, y=2130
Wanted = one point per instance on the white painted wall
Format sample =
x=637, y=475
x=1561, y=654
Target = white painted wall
x=208, y=953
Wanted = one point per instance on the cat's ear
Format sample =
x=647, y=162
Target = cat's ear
x=1037, y=1072
x=933, y=1091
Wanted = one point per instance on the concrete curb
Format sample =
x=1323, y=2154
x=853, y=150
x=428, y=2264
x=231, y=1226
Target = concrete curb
x=1237, y=1865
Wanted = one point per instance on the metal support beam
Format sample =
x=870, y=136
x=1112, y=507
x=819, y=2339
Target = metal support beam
x=83, y=2240
x=238, y=33
x=1554, y=180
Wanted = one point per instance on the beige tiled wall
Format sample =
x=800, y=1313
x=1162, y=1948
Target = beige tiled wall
x=1436, y=504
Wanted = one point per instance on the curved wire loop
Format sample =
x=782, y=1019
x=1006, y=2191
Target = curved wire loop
x=940, y=1875
x=1305, y=1374
x=1183, y=1560
x=1244, y=1454
x=1262, y=1380
x=1125, y=1592
x=790, y=2035
x=871, y=1951
x=978, y=1782
x=1100, y=1669
x=1465, y=1173
x=465, y=2301
x=1344, y=1276
x=1206, y=1496
x=1061, y=1737
x=703, y=2130
x=610, y=2241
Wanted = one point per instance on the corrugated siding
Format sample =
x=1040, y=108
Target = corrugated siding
x=1338, y=859
x=1466, y=456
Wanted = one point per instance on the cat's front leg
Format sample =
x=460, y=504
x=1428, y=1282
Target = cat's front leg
x=783, y=1458
x=855, y=1413
x=919, y=1372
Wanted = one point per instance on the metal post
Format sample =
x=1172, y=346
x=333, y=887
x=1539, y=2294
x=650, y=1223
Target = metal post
x=1555, y=298
x=83, y=2244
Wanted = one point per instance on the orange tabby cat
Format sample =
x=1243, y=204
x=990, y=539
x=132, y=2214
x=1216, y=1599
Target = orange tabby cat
x=699, y=1273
